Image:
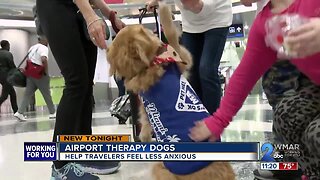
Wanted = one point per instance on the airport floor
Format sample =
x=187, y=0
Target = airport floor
x=252, y=124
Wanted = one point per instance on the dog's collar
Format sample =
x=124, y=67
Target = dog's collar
x=169, y=55
x=166, y=55
x=158, y=60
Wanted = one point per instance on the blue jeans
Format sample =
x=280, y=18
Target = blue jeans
x=121, y=88
x=206, y=49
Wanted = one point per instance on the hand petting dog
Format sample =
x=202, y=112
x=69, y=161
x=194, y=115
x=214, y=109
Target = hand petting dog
x=200, y=132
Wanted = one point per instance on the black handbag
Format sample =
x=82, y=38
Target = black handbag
x=16, y=77
x=120, y=108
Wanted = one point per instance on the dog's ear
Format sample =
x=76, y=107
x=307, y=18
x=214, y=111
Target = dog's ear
x=170, y=31
x=111, y=61
x=141, y=52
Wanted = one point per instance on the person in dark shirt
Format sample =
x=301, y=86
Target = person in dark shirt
x=74, y=31
x=6, y=64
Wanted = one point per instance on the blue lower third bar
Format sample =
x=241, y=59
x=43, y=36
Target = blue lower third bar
x=40, y=151
x=231, y=148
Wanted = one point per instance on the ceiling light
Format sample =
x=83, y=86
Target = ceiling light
x=16, y=23
x=23, y=23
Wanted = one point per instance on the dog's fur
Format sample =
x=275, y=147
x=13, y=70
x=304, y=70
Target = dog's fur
x=130, y=56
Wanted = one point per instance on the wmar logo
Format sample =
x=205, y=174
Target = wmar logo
x=272, y=152
x=270, y=155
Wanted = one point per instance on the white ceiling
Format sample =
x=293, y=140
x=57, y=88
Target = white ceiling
x=22, y=10
x=16, y=9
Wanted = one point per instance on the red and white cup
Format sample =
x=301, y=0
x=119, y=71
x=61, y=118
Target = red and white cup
x=277, y=28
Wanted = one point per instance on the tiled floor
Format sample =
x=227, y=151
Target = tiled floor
x=253, y=123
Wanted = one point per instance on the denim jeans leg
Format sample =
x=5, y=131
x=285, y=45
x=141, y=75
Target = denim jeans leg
x=194, y=43
x=121, y=88
x=214, y=42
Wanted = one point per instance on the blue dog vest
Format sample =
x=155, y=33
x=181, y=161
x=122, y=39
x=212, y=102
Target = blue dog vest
x=173, y=107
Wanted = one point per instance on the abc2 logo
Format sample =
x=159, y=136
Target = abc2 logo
x=270, y=154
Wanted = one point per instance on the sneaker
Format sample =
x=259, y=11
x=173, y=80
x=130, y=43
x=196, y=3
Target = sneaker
x=277, y=175
x=52, y=116
x=20, y=116
x=71, y=171
x=100, y=167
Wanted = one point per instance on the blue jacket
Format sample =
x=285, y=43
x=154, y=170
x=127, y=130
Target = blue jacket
x=173, y=107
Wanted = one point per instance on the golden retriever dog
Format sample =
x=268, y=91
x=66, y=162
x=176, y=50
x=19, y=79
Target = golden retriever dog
x=132, y=56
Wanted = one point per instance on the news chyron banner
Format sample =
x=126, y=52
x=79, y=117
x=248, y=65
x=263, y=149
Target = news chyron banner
x=119, y=147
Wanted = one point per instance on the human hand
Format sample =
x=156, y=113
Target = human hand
x=248, y=3
x=200, y=132
x=97, y=31
x=119, y=24
x=116, y=22
x=151, y=4
x=305, y=40
x=192, y=5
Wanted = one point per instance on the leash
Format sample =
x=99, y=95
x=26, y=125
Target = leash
x=143, y=12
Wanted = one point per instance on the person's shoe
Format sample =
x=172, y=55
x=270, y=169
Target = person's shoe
x=315, y=177
x=52, y=116
x=20, y=116
x=100, y=167
x=304, y=177
x=71, y=171
x=277, y=175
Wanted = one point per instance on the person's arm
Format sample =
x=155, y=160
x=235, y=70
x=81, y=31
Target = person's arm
x=117, y=24
x=100, y=4
x=44, y=61
x=256, y=61
x=86, y=10
x=11, y=62
x=44, y=53
x=196, y=6
x=96, y=27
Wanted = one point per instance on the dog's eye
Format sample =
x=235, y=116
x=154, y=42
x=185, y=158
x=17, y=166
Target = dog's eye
x=174, y=53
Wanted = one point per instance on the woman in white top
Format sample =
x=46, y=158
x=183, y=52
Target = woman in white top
x=205, y=25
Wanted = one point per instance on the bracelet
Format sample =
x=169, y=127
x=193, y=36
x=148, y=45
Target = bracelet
x=90, y=23
x=74, y=1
